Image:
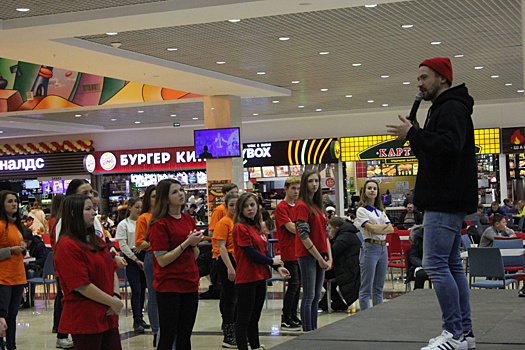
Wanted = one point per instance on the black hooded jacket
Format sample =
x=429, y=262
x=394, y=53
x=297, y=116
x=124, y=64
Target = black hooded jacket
x=447, y=176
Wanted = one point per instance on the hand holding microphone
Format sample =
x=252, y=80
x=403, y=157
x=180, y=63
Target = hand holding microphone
x=400, y=131
x=413, y=112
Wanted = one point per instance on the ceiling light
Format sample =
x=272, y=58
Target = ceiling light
x=508, y=84
x=435, y=42
x=324, y=53
x=195, y=118
x=172, y=49
x=284, y=38
x=385, y=76
x=478, y=67
x=295, y=81
x=324, y=89
x=113, y=119
x=406, y=83
x=356, y=64
x=220, y=62
x=494, y=76
x=78, y=115
x=234, y=20
x=256, y=114
x=319, y=110
x=140, y=111
x=407, y=26
x=111, y=33
x=300, y=106
x=1, y=131
x=173, y=115
x=385, y=105
x=212, y=108
x=261, y=73
x=275, y=101
x=459, y=56
x=137, y=122
x=371, y=5
x=348, y=95
x=370, y=101
x=22, y=9
x=520, y=91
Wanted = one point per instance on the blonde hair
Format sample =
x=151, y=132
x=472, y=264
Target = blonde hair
x=292, y=180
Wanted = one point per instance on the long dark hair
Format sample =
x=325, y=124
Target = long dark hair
x=56, y=212
x=74, y=185
x=74, y=226
x=239, y=206
x=3, y=213
x=363, y=200
x=162, y=199
x=146, y=199
x=317, y=200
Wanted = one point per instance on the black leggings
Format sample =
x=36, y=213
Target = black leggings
x=10, y=299
x=250, y=301
x=177, y=313
x=228, y=302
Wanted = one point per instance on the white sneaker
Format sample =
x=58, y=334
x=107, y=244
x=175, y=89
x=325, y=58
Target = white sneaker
x=446, y=342
x=64, y=344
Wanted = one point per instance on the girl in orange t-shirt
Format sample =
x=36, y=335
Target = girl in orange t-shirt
x=222, y=236
x=12, y=272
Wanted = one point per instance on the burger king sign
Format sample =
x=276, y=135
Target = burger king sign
x=108, y=161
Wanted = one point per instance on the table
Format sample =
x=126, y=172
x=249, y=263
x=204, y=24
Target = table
x=504, y=252
x=30, y=259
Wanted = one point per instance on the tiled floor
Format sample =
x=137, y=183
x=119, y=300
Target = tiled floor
x=34, y=325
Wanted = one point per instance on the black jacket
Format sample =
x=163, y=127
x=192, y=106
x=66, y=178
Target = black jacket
x=418, y=217
x=38, y=251
x=447, y=177
x=345, y=252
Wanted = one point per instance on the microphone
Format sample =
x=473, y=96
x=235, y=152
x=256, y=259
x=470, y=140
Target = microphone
x=415, y=107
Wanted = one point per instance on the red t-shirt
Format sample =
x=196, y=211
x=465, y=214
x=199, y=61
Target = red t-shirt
x=247, y=269
x=182, y=275
x=77, y=266
x=317, y=229
x=284, y=213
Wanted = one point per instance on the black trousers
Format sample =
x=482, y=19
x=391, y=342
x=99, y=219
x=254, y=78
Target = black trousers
x=228, y=301
x=137, y=282
x=10, y=299
x=291, y=297
x=421, y=277
x=250, y=301
x=57, y=312
x=177, y=313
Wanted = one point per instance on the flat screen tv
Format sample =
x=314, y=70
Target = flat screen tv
x=31, y=184
x=217, y=143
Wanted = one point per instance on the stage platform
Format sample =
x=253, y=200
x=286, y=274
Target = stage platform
x=408, y=321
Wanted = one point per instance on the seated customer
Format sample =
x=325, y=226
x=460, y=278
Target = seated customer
x=410, y=217
x=509, y=207
x=496, y=209
x=36, y=249
x=498, y=228
x=416, y=271
x=478, y=215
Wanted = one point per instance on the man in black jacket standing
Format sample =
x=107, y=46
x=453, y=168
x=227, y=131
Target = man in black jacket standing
x=446, y=189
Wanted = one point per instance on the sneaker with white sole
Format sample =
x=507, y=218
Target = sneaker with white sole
x=64, y=344
x=446, y=342
x=471, y=340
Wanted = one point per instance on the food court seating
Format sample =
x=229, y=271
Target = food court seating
x=487, y=262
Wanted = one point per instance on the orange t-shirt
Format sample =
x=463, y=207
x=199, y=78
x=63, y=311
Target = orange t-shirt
x=223, y=231
x=12, y=271
x=142, y=227
x=217, y=214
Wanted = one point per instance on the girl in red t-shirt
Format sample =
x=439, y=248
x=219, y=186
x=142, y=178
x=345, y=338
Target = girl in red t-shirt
x=86, y=269
x=249, y=244
x=174, y=237
x=312, y=246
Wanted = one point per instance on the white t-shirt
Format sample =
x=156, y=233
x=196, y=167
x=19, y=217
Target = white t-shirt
x=372, y=215
x=126, y=237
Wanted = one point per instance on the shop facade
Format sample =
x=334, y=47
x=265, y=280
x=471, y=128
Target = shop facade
x=513, y=147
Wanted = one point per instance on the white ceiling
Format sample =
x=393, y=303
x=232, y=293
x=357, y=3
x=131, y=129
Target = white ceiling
x=71, y=35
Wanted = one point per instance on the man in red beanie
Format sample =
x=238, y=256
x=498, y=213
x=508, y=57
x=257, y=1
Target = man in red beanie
x=446, y=189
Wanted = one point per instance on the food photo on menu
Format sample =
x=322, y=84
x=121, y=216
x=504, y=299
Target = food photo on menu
x=268, y=171
x=255, y=172
x=282, y=170
x=389, y=170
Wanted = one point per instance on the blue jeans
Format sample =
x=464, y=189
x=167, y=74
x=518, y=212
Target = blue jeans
x=312, y=276
x=373, y=262
x=442, y=263
x=137, y=282
x=153, y=313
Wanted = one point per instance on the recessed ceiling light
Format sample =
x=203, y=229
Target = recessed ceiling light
x=324, y=53
x=172, y=49
x=113, y=119
x=319, y=110
x=370, y=101
x=284, y=38
x=1, y=131
x=140, y=111
x=295, y=81
x=137, y=122
x=22, y=9
x=459, y=56
x=78, y=115
x=324, y=89
x=406, y=83
x=435, y=42
x=212, y=108
x=478, y=67
x=494, y=76
x=407, y=26
x=356, y=64
x=173, y=115
x=111, y=33
x=255, y=114
x=195, y=118
x=385, y=105
x=508, y=84
x=371, y=5
x=348, y=95
x=261, y=73
x=275, y=101
x=385, y=76
x=235, y=20
x=520, y=91
x=300, y=106
x=220, y=62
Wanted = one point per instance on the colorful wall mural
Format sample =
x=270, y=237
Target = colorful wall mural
x=27, y=86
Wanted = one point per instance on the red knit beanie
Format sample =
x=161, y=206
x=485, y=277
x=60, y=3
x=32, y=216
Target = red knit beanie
x=441, y=65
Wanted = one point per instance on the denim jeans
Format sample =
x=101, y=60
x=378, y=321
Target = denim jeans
x=313, y=277
x=442, y=263
x=137, y=282
x=373, y=262
x=57, y=312
x=153, y=313
x=10, y=299
x=291, y=296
